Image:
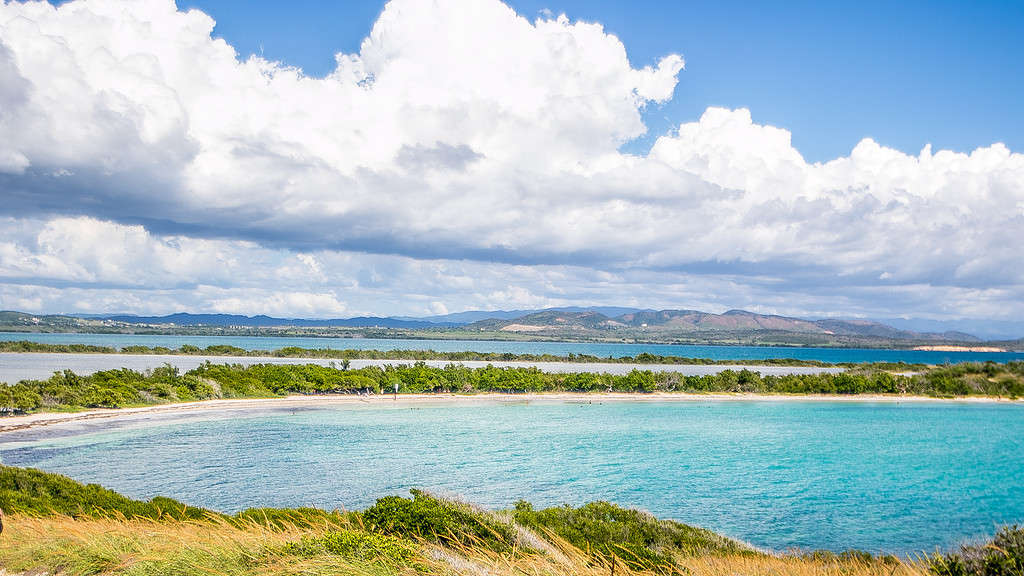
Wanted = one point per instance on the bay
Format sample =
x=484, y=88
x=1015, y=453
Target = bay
x=891, y=477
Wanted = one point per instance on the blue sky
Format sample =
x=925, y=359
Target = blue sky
x=904, y=73
x=472, y=154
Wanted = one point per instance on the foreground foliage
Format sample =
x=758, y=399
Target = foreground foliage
x=36, y=493
x=639, y=539
x=100, y=532
x=426, y=517
x=1001, y=556
x=120, y=388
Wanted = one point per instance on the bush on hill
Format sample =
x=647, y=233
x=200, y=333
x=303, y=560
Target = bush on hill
x=37, y=493
x=1001, y=556
x=637, y=538
x=439, y=520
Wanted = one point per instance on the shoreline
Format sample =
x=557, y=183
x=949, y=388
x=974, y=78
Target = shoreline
x=41, y=365
x=41, y=419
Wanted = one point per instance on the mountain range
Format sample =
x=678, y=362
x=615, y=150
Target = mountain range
x=584, y=322
x=690, y=321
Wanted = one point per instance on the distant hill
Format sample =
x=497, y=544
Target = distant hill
x=984, y=329
x=557, y=319
x=23, y=319
x=262, y=321
x=471, y=316
x=695, y=321
x=596, y=323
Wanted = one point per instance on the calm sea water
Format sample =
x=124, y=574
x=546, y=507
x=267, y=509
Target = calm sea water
x=556, y=348
x=900, y=478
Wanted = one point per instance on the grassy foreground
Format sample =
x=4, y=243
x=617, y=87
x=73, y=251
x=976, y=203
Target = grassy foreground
x=55, y=525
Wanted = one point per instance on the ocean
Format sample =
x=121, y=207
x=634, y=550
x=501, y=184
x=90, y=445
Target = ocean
x=902, y=478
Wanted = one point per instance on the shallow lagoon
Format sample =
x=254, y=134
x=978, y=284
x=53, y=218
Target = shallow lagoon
x=897, y=477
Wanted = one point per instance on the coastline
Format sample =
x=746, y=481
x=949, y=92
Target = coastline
x=41, y=419
x=41, y=365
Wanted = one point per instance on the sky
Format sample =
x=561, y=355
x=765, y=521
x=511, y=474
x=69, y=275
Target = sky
x=422, y=157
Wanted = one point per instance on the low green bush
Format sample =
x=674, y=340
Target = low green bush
x=1001, y=556
x=438, y=520
x=37, y=493
x=635, y=537
x=356, y=545
x=123, y=387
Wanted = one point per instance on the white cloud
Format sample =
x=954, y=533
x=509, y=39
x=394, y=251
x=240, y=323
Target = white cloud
x=476, y=153
x=87, y=250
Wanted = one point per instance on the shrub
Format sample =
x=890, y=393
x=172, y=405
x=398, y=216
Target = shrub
x=355, y=545
x=637, y=538
x=38, y=493
x=440, y=520
x=1002, y=556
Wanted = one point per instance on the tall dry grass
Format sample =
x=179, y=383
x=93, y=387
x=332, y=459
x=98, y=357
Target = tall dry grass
x=67, y=546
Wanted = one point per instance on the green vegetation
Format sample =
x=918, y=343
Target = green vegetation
x=392, y=533
x=443, y=521
x=35, y=493
x=355, y=545
x=123, y=387
x=27, y=346
x=1001, y=556
x=639, y=539
x=353, y=354
x=55, y=525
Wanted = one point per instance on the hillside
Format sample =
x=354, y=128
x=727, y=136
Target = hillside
x=55, y=525
x=739, y=325
x=614, y=324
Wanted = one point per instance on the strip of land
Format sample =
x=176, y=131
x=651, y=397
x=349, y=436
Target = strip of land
x=15, y=366
x=124, y=387
x=243, y=406
x=222, y=350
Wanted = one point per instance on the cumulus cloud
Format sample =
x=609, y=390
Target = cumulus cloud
x=139, y=153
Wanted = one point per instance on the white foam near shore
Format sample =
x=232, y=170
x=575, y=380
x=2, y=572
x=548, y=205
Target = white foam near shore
x=16, y=366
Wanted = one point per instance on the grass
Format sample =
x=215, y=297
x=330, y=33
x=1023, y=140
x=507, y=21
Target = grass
x=636, y=538
x=36, y=493
x=91, y=546
x=86, y=546
x=55, y=525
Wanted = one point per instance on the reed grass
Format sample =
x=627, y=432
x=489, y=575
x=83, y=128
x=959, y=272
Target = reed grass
x=134, y=547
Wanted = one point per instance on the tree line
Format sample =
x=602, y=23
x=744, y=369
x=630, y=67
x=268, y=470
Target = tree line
x=123, y=387
x=354, y=354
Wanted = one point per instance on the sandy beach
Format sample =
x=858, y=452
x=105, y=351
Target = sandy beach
x=24, y=422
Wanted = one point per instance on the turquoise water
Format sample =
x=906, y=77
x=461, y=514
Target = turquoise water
x=900, y=478
x=602, y=350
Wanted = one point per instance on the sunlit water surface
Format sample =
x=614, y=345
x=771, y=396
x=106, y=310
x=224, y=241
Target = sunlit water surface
x=900, y=478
